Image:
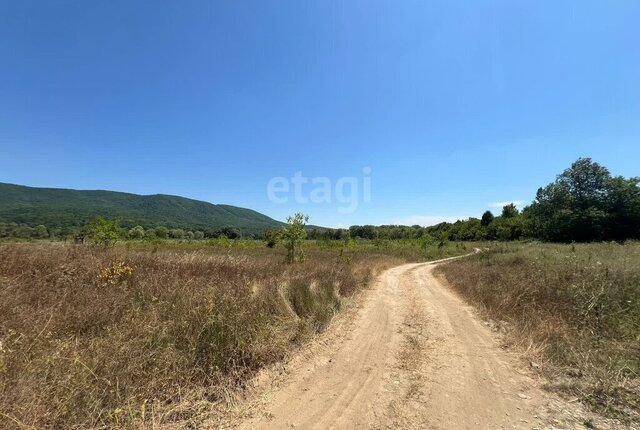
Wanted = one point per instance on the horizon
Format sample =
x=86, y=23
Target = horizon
x=518, y=204
x=452, y=110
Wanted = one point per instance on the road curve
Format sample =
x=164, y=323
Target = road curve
x=414, y=356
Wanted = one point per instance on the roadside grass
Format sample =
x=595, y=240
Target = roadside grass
x=574, y=308
x=119, y=337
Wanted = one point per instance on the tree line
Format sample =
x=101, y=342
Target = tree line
x=585, y=203
x=25, y=231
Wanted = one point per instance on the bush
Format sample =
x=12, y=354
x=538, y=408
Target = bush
x=176, y=233
x=136, y=232
x=272, y=237
x=103, y=231
x=161, y=232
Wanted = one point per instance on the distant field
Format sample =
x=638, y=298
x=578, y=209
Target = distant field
x=574, y=308
x=413, y=250
x=95, y=338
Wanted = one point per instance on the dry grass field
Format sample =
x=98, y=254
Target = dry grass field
x=574, y=308
x=125, y=337
x=117, y=337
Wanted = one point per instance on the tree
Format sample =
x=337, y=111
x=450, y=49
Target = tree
x=161, y=232
x=231, y=232
x=5, y=230
x=198, y=235
x=41, y=232
x=293, y=234
x=467, y=230
x=363, y=231
x=23, y=231
x=136, y=232
x=487, y=217
x=103, y=231
x=176, y=233
x=510, y=228
x=189, y=235
x=510, y=211
x=586, y=203
x=623, y=209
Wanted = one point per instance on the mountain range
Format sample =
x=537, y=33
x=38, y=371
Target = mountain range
x=60, y=208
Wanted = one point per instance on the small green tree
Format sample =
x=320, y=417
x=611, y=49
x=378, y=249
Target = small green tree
x=293, y=234
x=104, y=231
x=198, y=235
x=136, y=232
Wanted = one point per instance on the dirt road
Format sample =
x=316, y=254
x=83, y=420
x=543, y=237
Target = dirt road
x=414, y=355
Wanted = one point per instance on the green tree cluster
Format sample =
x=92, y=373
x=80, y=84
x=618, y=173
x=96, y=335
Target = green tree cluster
x=587, y=203
x=24, y=231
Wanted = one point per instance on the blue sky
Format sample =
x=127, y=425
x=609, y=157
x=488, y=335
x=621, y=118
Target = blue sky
x=454, y=106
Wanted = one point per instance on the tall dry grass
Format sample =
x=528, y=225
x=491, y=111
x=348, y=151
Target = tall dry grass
x=94, y=338
x=576, y=306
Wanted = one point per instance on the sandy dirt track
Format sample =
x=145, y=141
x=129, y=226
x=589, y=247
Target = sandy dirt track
x=413, y=355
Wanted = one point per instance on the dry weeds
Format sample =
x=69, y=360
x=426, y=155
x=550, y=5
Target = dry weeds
x=119, y=338
x=574, y=308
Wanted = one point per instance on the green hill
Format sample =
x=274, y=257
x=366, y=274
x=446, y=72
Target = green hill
x=60, y=208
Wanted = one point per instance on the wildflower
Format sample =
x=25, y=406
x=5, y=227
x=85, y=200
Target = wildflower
x=115, y=274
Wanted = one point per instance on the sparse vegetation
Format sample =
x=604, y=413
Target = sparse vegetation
x=294, y=234
x=575, y=308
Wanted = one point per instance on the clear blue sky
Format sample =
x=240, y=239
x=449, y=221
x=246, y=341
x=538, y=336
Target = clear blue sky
x=454, y=106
